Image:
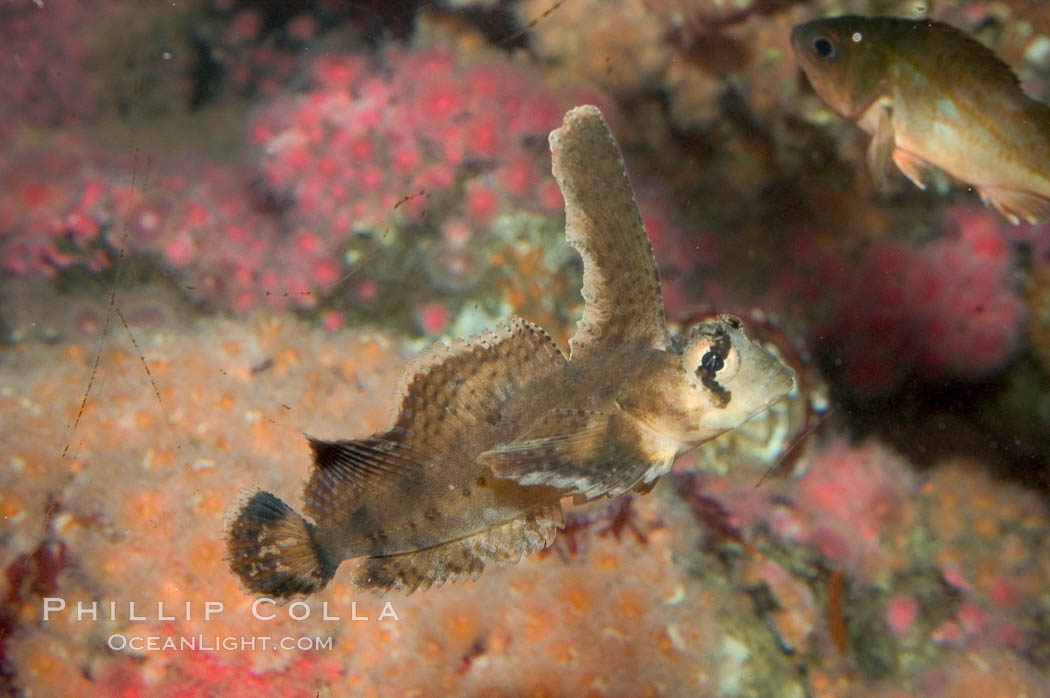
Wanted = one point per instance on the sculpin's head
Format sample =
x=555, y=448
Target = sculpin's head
x=734, y=378
x=846, y=60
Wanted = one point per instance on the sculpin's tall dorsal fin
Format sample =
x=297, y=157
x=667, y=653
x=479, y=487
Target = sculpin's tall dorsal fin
x=621, y=285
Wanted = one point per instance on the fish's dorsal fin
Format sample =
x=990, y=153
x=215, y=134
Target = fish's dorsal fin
x=583, y=453
x=621, y=285
x=344, y=470
x=449, y=390
x=449, y=394
x=960, y=53
x=464, y=558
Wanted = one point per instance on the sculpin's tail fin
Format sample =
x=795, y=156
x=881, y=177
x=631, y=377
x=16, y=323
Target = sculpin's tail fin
x=272, y=549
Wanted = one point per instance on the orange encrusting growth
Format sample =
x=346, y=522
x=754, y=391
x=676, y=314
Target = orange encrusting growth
x=151, y=483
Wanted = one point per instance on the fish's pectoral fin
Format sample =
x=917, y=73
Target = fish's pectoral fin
x=645, y=487
x=914, y=168
x=464, y=558
x=588, y=453
x=880, y=150
x=343, y=470
x=1014, y=205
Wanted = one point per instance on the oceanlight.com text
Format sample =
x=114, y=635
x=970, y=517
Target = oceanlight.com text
x=119, y=642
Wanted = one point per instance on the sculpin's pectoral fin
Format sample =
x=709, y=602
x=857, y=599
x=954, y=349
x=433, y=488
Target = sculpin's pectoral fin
x=583, y=453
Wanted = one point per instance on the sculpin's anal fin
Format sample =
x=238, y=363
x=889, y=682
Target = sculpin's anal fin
x=621, y=285
x=588, y=453
x=464, y=558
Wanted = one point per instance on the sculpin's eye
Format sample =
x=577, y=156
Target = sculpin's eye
x=712, y=362
x=714, y=358
x=823, y=47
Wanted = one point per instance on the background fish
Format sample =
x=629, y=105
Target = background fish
x=492, y=432
x=931, y=95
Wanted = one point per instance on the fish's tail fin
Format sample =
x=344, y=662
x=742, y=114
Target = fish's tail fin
x=273, y=550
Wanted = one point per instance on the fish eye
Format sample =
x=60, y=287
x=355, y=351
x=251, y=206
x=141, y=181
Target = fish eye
x=714, y=358
x=823, y=47
x=712, y=362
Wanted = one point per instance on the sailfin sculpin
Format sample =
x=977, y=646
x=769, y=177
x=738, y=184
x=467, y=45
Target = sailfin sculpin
x=492, y=432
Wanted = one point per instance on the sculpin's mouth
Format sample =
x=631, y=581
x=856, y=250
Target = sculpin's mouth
x=779, y=384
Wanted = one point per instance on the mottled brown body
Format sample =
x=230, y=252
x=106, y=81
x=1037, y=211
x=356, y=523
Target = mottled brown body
x=492, y=432
x=932, y=96
x=455, y=494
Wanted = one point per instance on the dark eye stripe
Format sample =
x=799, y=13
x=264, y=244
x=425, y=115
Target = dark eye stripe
x=713, y=361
